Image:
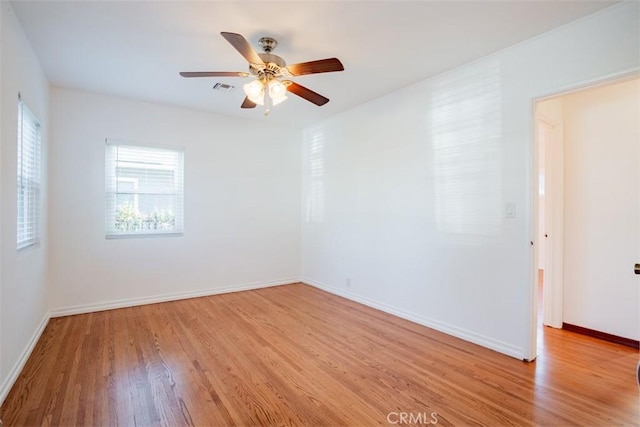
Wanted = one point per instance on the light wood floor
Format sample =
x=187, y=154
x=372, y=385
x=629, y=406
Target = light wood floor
x=294, y=355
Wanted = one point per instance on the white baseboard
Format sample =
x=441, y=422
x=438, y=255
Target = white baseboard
x=131, y=302
x=455, y=331
x=17, y=368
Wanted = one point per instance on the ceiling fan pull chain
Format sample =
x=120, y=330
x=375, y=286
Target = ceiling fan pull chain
x=267, y=99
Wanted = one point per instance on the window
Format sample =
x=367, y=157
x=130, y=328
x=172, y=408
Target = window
x=144, y=188
x=28, y=182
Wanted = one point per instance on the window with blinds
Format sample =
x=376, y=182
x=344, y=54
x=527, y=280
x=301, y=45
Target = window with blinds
x=144, y=190
x=28, y=179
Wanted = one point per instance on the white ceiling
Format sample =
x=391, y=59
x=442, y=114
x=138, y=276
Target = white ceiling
x=136, y=49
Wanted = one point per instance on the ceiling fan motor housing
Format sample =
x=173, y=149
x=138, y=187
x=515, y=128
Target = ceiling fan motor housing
x=273, y=65
x=267, y=44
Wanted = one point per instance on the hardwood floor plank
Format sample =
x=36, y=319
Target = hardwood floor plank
x=295, y=355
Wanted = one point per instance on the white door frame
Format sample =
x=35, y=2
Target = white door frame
x=531, y=350
x=554, y=224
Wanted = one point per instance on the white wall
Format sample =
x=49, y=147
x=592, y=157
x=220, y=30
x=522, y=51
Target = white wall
x=23, y=276
x=242, y=205
x=602, y=208
x=405, y=196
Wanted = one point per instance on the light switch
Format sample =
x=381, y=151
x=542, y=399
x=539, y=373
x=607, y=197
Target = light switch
x=510, y=210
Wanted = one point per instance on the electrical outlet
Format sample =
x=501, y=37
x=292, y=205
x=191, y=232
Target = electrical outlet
x=348, y=282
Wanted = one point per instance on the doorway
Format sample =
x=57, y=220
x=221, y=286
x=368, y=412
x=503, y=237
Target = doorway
x=550, y=137
x=586, y=211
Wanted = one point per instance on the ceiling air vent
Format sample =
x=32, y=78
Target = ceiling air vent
x=223, y=87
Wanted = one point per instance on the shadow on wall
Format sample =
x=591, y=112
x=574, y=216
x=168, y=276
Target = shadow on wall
x=465, y=122
x=313, y=152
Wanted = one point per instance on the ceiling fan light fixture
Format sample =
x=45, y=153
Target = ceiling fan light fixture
x=253, y=89
x=278, y=100
x=258, y=100
x=277, y=89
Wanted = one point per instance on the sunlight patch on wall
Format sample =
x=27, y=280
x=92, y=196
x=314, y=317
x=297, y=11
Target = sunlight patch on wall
x=313, y=152
x=466, y=129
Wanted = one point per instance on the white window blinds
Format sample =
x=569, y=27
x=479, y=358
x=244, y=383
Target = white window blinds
x=144, y=190
x=28, y=178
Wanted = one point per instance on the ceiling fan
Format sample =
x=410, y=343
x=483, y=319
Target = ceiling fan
x=271, y=74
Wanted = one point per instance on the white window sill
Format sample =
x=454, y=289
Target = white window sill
x=142, y=235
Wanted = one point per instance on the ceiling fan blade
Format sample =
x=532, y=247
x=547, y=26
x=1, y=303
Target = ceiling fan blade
x=243, y=46
x=307, y=94
x=314, y=67
x=247, y=103
x=213, y=74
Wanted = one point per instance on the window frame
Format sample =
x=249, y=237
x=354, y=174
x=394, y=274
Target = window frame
x=111, y=190
x=28, y=180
